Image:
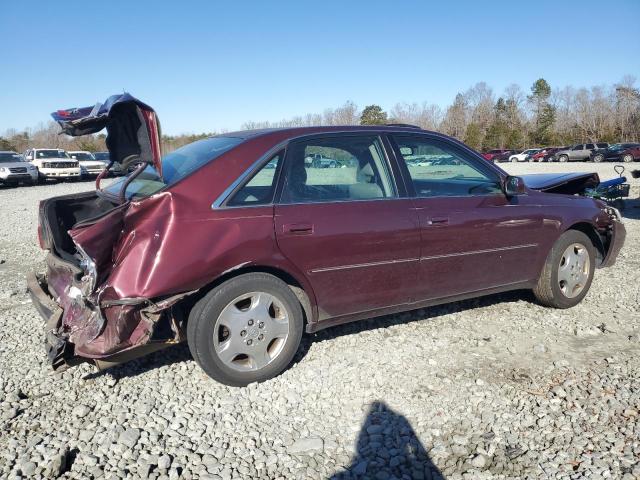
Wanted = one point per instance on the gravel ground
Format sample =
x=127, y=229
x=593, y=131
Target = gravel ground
x=497, y=387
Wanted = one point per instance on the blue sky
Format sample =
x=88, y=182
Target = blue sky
x=208, y=65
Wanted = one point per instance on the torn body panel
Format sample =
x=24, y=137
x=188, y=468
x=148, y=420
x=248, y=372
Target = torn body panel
x=566, y=183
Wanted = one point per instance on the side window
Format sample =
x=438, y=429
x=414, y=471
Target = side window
x=259, y=190
x=590, y=146
x=578, y=147
x=438, y=169
x=337, y=169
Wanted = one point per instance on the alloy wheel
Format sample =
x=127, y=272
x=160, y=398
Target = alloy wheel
x=251, y=331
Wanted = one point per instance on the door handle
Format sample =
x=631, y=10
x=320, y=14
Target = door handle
x=438, y=221
x=298, y=228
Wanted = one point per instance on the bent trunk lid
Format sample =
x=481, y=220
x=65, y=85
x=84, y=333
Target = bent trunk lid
x=133, y=128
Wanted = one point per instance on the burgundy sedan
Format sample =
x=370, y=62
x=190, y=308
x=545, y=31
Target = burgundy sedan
x=238, y=244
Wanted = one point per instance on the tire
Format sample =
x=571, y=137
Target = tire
x=563, y=158
x=550, y=290
x=598, y=158
x=513, y=159
x=628, y=158
x=248, y=359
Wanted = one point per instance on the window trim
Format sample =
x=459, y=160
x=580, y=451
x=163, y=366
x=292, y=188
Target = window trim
x=274, y=183
x=465, y=152
x=246, y=176
x=393, y=179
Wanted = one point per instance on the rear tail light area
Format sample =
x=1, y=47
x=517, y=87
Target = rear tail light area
x=40, y=239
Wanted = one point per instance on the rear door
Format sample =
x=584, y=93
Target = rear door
x=472, y=236
x=350, y=229
x=576, y=152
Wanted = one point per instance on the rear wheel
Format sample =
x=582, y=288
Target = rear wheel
x=563, y=158
x=598, y=158
x=568, y=271
x=246, y=330
x=628, y=158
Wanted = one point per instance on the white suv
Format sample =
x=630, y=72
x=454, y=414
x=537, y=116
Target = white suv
x=53, y=163
x=89, y=166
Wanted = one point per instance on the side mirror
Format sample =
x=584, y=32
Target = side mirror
x=513, y=186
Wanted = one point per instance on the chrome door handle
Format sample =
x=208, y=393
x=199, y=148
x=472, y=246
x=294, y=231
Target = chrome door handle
x=438, y=221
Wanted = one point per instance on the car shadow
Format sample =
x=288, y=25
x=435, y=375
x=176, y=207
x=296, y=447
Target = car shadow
x=631, y=209
x=180, y=353
x=388, y=447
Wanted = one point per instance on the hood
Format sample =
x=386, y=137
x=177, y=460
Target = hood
x=565, y=183
x=15, y=165
x=133, y=129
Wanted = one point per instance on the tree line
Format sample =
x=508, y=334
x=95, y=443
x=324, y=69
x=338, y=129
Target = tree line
x=542, y=116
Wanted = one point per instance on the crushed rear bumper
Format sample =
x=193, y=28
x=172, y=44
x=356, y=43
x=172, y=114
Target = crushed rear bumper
x=59, y=350
x=618, y=234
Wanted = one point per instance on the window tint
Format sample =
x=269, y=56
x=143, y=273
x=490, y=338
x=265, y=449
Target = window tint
x=337, y=168
x=259, y=190
x=601, y=145
x=438, y=169
x=590, y=146
x=578, y=147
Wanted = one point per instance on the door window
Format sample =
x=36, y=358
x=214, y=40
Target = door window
x=259, y=190
x=438, y=169
x=590, y=146
x=578, y=147
x=337, y=169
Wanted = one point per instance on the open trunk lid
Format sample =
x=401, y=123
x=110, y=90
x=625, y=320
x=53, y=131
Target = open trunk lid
x=133, y=129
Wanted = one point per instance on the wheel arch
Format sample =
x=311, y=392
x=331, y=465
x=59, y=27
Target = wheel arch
x=592, y=232
x=300, y=288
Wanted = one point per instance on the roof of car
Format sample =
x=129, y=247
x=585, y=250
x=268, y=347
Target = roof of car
x=297, y=131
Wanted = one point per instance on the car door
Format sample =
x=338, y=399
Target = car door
x=588, y=149
x=473, y=237
x=576, y=152
x=348, y=229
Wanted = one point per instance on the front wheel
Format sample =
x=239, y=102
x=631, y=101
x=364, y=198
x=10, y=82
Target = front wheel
x=246, y=330
x=628, y=158
x=598, y=158
x=513, y=159
x=568, y=271
x=563, y=158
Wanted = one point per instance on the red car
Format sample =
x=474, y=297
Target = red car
x=238, y=245
x=491, y=154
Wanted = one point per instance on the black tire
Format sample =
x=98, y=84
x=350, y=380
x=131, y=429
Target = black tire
x=628, y=158
x=598, y=158
x=563, y=158
x=205, y=313
x=547, y=290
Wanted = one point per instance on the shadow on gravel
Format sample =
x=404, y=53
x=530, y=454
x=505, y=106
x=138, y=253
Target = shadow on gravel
x=389, y=448
x=631, y=209
x=168, y=356
x=180, y=353
x=420, y=314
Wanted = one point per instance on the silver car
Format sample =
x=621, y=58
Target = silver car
x=579, y=153
x=14, y=170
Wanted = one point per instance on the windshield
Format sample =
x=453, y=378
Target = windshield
x=82, y=156
x=101, y=156
x=51, y=154
x=9, y=157
x=175, y=166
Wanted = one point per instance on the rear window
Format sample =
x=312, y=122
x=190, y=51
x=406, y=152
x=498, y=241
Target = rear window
x=175, y=166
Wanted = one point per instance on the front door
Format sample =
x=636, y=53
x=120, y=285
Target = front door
x=343, y=223
x=473, y=237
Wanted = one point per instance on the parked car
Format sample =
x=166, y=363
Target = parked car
x=524, y=155
x=210, y=244
x=580, y=152
x=89, y=166
x=14, y=170
x=503, y=157
x=618, y=152
x=491, y=154
x=53, y=163
x=116, y=169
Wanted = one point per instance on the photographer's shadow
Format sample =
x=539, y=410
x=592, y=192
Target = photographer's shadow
x=388, y=447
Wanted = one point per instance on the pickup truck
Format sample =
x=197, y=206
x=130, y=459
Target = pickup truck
x=53, y=163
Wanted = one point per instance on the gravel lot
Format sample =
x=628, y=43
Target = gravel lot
x=497, y=387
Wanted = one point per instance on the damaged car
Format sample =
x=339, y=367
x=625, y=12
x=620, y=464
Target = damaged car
x=238, y=247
